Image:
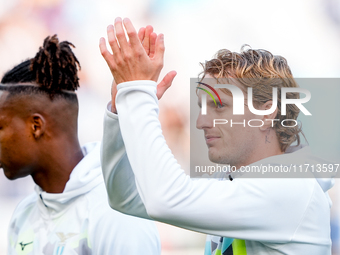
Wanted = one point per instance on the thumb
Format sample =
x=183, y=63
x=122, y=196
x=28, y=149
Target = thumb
x=165, y=83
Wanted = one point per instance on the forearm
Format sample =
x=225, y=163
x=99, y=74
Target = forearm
x=167, y=192
x=118, y=176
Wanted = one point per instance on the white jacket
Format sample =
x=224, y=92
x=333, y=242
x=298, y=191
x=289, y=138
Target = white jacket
x=273, y=216
x=79, y=220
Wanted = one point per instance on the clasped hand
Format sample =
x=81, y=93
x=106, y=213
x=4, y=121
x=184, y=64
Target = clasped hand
x=140, y=58
x=129, y=61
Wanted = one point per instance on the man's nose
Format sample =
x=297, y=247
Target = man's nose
x=204, y=121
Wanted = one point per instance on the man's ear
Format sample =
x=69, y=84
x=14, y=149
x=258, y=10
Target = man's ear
x=268, y=119
x=38, y=125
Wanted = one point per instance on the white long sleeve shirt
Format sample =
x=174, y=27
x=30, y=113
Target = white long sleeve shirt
x=273, y=216
x=79, y=220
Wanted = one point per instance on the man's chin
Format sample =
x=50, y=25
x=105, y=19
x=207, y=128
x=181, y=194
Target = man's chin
x=11, y=176
x=215, y=158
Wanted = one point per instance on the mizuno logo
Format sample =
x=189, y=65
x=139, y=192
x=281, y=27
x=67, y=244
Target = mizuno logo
x=23, y=245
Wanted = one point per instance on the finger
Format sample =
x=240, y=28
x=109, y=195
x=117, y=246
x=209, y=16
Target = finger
x=159, y=49
x=120, y=34
x=113, y=41
x=165, y=83
x=105, y=53
x=146, y=42
x=141, y=34
x=132, y=34
x=153, y=37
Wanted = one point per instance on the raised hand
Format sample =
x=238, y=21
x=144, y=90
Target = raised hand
x=129, y=61
x=148, y=39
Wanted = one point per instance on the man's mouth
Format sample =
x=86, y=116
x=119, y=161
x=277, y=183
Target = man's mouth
x=210, y=138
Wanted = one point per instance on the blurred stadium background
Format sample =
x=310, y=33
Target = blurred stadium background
x=305, y=32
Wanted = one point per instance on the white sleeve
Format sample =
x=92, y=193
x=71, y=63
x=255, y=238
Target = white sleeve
x=117, y=172
x=242, y=208
x=11, y=237
x=116, y=233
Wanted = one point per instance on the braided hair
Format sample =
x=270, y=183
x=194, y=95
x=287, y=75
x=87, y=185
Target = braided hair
x=54, y=69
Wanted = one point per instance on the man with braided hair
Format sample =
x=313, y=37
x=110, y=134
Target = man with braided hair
x=243, y=216
x=69, y=212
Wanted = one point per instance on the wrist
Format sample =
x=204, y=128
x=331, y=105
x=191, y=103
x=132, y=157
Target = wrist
x=136, y=83
x=113, y=110
x=113, y=106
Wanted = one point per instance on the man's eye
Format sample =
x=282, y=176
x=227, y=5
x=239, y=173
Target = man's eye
x=220, y=105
